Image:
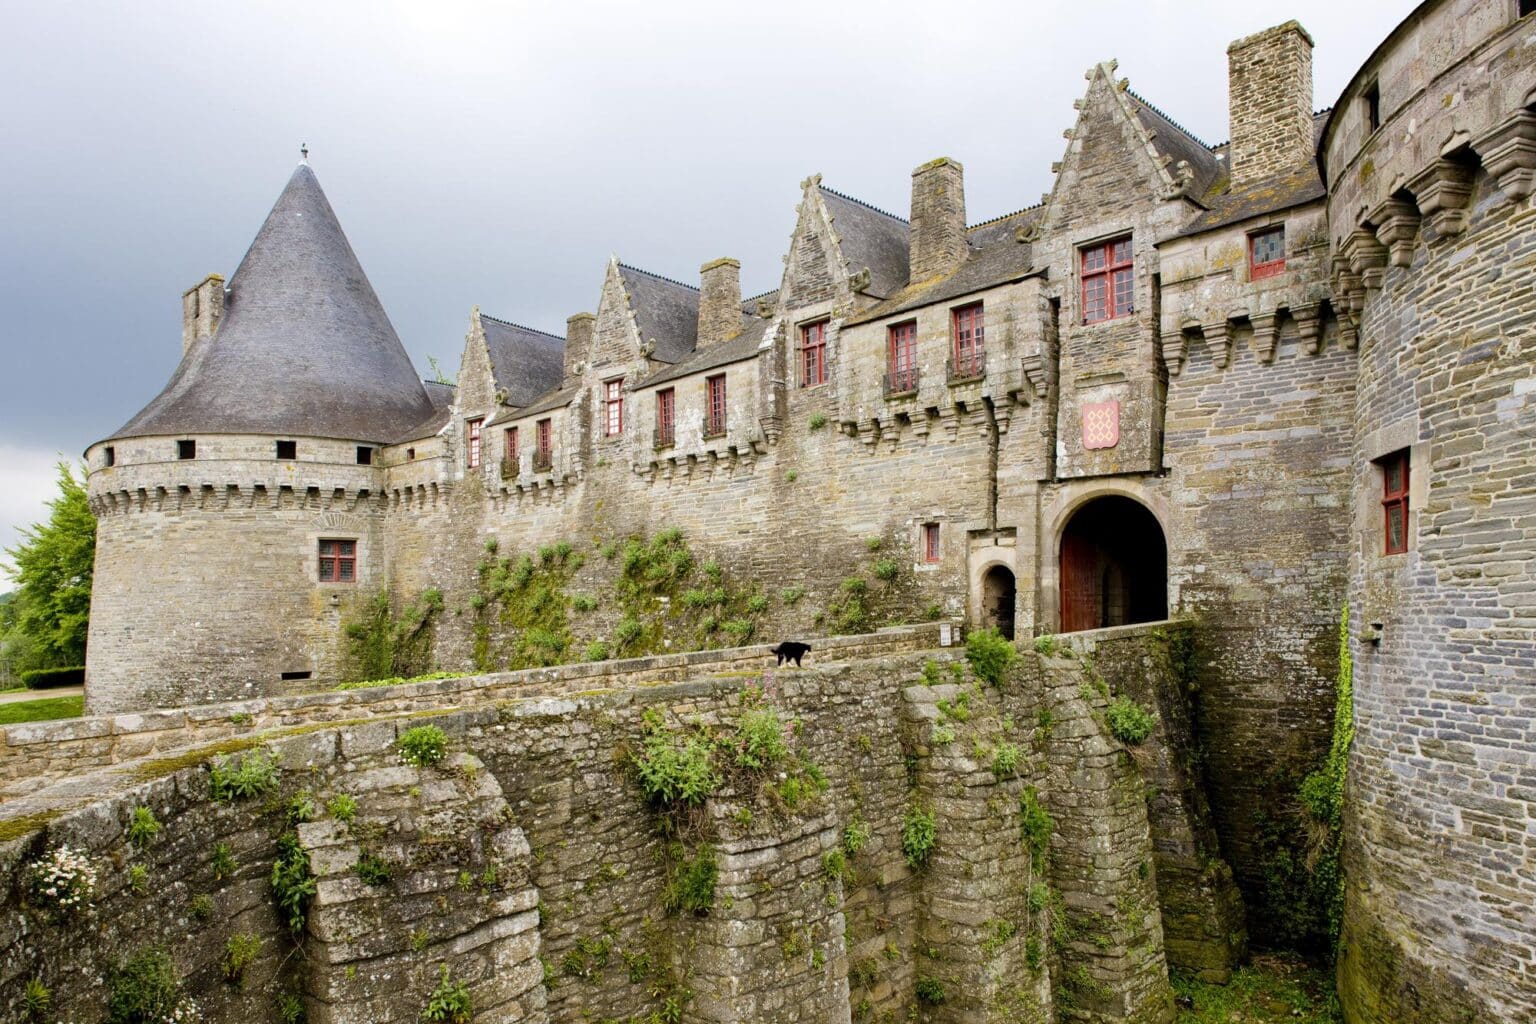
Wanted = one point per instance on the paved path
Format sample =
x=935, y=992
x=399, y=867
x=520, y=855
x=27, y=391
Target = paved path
x=56, y=691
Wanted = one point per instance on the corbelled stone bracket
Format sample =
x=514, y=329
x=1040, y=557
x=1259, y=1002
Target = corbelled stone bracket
x=1034, y=372
x=1175, y=345
x=1309, y=326
x=1266, y=333
x=1367, y=257
x=1218, y=338
x=1443, y=190
x=1509, y=154
x=1397, y=226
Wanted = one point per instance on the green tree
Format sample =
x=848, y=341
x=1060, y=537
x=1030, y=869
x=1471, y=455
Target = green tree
x=45, y=623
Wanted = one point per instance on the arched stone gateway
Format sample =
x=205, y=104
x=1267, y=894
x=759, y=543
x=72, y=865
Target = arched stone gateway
x=999, y=599
x=1114, y=566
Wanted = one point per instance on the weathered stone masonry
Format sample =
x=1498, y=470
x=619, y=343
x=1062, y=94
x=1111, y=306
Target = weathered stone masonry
x=530, y=864
x=1237, y=414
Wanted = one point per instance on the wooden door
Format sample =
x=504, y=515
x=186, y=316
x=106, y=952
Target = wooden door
x=1081, y=587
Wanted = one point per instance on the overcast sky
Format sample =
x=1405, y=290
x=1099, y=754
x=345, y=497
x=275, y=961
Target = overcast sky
x=497, y=153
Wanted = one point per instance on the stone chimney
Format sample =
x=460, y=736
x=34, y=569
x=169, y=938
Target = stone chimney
x=1270, y=97
x=719, y=301
x=938, y=219
x=202, y=307
x=579, y=332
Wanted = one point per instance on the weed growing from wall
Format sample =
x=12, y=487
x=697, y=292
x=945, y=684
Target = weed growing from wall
x=385, y=641
x=1322, y=797
x=293, y=884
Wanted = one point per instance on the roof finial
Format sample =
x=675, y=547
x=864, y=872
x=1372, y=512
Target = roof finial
x=303, y=152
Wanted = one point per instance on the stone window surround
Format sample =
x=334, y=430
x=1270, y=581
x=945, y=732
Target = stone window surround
x=474, y=430
x=928, y=558
x=355, y=558
x=972, y=363
x=613, y=407
x=1370, y=522
x=1272, y=268
x=1097, y=239
x=802, y=332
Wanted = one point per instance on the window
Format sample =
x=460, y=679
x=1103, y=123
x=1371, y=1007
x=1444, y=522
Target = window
x=930, y=543
x=813, y=354
x=544, y=455
x=666, y=417
x=1108, y=281
x=472, y=448
x=969, y=330
x=1266, y=253
x=714, y=415
x=1527, y=7
x=901, y=363
x=1394, y=502
x=511, y=455
x=338, y=561
x=364, y=455
x=109, y=456
x=1370, y=101
x=186, y=450
x=410, y=455
x=287, y=451
x=613, y=403
x=287, y=676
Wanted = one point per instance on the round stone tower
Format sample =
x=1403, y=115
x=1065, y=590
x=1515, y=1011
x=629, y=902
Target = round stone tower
x=238, y=513
x=1430, y=158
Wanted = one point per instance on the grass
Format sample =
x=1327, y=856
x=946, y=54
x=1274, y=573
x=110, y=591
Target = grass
x=1272, y=989
x=42, y=710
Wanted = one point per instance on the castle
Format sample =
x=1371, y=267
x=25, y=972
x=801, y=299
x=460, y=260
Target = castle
x=1253, y=383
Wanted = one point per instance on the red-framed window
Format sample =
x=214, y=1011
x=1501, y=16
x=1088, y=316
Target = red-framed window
x=714, y=415
x=970, y=333
x=1109, y=281
x=930, y=549
x=666, y=417
x=1266, y=253
x=1394, y=502
x=813, y=354
x=472, y=444
x=544, y=431
x=901, y=360
x=511, y=453
x=338, y=561
x=613, y=406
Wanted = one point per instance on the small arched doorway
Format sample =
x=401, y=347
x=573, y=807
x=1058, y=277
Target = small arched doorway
x=1114, y=566
x=998, y=598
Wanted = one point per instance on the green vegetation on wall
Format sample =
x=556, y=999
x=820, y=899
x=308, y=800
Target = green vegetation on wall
x=1322, y=797
x=386, y=641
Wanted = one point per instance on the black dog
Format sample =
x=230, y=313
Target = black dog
x=790, y=651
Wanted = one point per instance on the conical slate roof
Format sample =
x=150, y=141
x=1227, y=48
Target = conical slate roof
x=304, y=349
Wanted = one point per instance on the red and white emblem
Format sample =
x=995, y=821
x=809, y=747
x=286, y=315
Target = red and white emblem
x=1101, y=424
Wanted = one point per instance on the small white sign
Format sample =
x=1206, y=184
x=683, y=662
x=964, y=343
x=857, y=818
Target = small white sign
x=946, y=635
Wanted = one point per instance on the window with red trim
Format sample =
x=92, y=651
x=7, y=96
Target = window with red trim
x=930, y=542
x=666, y=417
x=338, y=561
x=969, y=330
x=1109, y=281
x=511, y=455
x=901, y=358
x=813, y=354
x=544, y=455
x=1266, y=253
x=1394, y=502
x=714, y=416
x=472, y=445
x=613, y=403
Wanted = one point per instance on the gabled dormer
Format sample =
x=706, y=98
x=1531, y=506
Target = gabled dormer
x=843, y=252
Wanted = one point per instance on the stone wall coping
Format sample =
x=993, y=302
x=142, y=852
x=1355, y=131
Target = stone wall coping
x=41, y=754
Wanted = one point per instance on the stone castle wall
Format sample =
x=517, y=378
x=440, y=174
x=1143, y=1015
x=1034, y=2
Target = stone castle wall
x=531, y=866
x=1435, y=243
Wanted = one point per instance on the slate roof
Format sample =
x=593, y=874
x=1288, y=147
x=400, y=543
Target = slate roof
x=442, y=396
x=666, y=311
x=1278, y=193
x=1174, y=141
x=304, y=347
x=996, y=256
x=526, y=363
x=735, y=350
x=871, y=239
x=555, y=400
